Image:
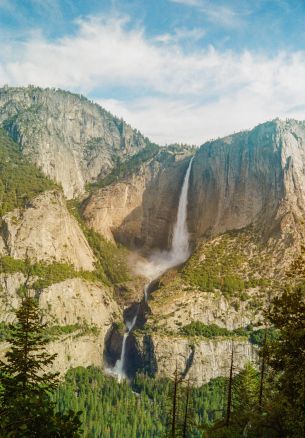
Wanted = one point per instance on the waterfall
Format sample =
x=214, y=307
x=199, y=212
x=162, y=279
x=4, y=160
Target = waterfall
x=119, y=366
x=161, y=261
x=180, y=244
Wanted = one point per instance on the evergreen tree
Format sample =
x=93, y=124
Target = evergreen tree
x=25, y=386
x=287, y=359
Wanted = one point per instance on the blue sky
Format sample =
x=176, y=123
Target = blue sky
x=178, y=70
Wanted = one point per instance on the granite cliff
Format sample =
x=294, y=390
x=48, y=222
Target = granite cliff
x=72, y=140
x=245, y=217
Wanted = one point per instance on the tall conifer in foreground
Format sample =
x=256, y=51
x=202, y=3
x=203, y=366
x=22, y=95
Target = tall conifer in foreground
x=25, y=385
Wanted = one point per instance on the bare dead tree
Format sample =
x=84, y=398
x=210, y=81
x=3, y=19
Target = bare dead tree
x=230, y=384
x=262, y=373
x=174, y=404
x=186, y=410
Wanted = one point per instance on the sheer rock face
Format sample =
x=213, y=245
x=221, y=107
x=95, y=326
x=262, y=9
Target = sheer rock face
x=254, y=177
x=200, y=361
x=140, y=211
x=71, y=139
x=250, y=178
x=45, y=231
x=70, y=302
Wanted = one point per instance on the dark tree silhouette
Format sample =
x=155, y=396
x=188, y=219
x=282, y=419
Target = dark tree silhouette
x=26, y=382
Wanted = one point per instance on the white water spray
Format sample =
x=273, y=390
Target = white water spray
x=161, y=261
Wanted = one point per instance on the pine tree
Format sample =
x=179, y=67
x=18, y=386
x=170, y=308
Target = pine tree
x=287, y=358
x=25, y=384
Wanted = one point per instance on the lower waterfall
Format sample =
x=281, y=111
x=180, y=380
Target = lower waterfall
x=160, y=261
x=119, y=366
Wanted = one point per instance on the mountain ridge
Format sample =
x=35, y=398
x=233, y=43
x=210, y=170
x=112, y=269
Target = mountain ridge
x=71, y=139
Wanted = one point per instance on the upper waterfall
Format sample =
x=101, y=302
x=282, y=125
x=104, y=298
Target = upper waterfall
x=180, y=244
x=161, y=261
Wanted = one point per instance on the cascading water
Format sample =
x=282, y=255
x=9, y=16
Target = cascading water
x=180, y=250
x=119, y=366
x=161, y=261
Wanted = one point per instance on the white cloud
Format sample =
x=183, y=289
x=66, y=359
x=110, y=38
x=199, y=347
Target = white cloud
x=173, y=94
x=220, y=14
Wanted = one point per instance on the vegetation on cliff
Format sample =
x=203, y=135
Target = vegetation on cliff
x=20, y=180
x=255, y=336
x=129, y=166
x=225, y=264
x=111, y=263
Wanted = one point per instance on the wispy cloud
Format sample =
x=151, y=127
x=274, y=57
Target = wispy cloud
x=220, y=14
x=181, y=34
x=171, y=94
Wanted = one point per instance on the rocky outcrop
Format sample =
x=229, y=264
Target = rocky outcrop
x=106, y=210
x=199, y=360
x=77, y=351
x=71, y=139
x=70, y=302
x=9, y=298
x=174, y=307
x=46, y=231
x=72, y=351
x=74, y=302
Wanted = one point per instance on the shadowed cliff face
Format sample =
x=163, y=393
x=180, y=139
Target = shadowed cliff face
x=141, y=210
x=255, y=177
x=158, y=209
x=236, y=181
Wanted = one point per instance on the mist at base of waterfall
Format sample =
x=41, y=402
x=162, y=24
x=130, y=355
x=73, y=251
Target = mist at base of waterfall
x=158, y=263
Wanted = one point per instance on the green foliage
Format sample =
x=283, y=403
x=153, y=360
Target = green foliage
x=272, y=404
x=217, y=271
x=197, y=328
x=4, y=331
x=45, y=274
x=111, y=266
x=54, y=331
x=20, y=180
x=139, y=409
x=129, y=166
x=25, y=384
x=245, y=390
x=287, y=358
x=255, y=336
